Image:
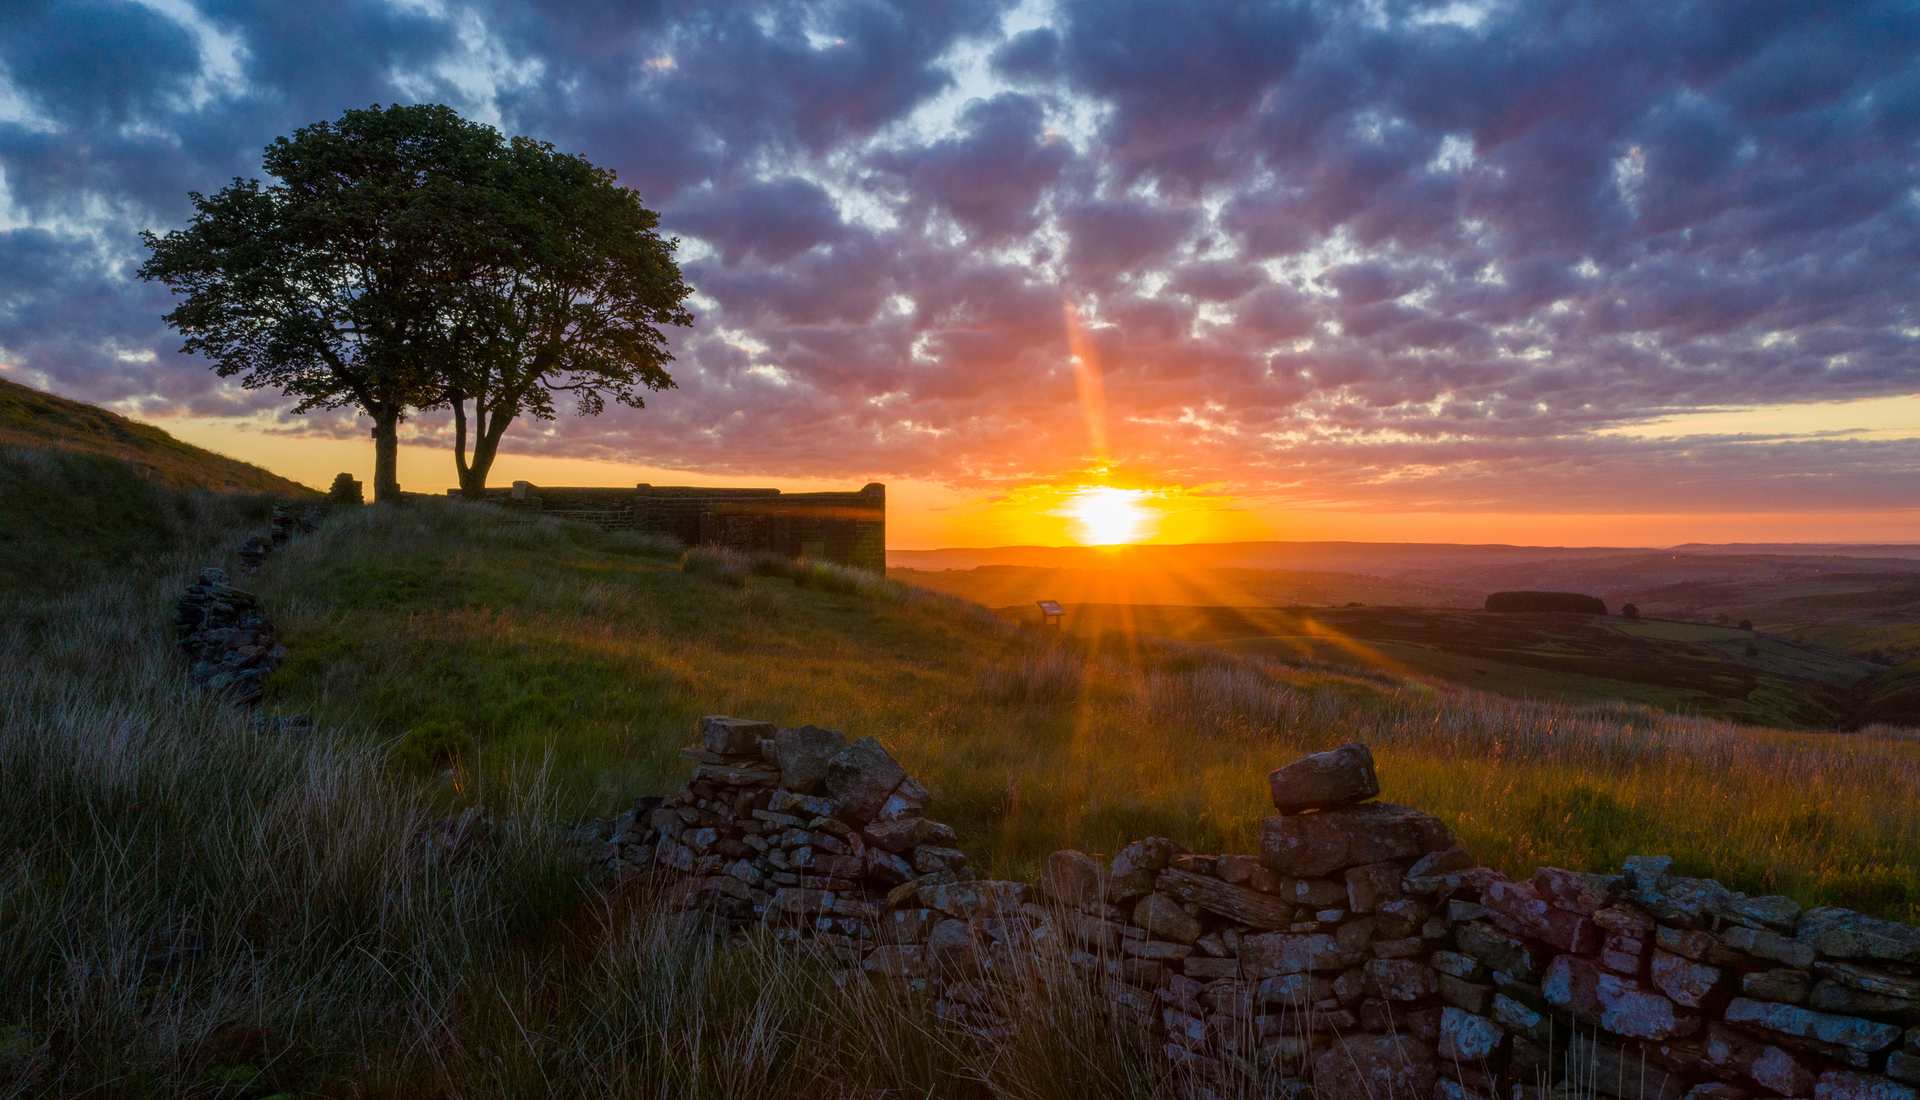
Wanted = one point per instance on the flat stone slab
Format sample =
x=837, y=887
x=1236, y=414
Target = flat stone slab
x=1325, y=780
x=1318, y=844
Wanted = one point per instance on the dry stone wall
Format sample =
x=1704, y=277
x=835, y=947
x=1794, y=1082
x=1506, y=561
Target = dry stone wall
x=1360, y=953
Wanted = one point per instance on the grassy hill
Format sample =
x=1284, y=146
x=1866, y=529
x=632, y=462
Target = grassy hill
x=32, y=419
x=199, y=907
x=83, y=489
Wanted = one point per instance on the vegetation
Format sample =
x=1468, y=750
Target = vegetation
x=194, y=906
x=410, y=259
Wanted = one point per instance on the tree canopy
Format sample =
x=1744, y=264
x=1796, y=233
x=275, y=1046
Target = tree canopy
x=568, y=285
x=409, y=259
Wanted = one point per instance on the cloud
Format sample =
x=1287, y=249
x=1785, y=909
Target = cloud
x=1410, y=254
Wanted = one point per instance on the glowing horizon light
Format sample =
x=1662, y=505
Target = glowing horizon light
x=1107, y=516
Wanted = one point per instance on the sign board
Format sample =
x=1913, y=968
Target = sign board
x=1051, y=607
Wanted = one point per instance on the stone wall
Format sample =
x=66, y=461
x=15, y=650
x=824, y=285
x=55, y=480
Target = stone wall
x=1360, y=955
x=850, y=528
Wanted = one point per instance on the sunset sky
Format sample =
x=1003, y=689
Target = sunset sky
x=1633, y=272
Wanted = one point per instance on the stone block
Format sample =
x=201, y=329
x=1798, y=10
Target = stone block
x=1781, y=914
x=950, y=947
x=1399, y=980
x=1611, y=1070
x=733, y=736
x=1843, y=1084
x=1150, y=854
x=1460, y=966
x=1206, y=969
x=896, y=835
x=1575, y=891
x=1467, y=1037
x=1325, y=780
x=1718, y=1090
x=1625, y=921
x=1762, y=944
x=1238, y=903
x=802, y=753
x=1850, y=1032
x=1902, y=1066
x=897, y=961
x=1398, y=918
x=1684, y=981
x=1616, y=1003
x=1073, y=879
x=1522, y=1020
x=1473, y=997
x=1828, y=995
x=1787, y=986
x=1686, y=942
x=1163, y=917
x=1155, y=949
x=860, y=777
x=1844, y=934
x=1455, y=858
x=1314, y=893
x=976, y=900
x=905, y=926
x=1871, y=980
x=1317, y=844
x=1369, y=1067
x=1238, y=870
x=1278, y=953
x=1518, y=908
x=1370, y=884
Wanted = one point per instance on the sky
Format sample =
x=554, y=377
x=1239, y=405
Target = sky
x=1632, y=272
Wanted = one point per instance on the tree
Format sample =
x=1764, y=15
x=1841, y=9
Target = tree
x=335, y=284
x=567, y=283
x=1629, y=611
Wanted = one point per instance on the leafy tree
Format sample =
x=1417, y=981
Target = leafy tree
x=568, y=282
x=335, y=284
x=1629, y=610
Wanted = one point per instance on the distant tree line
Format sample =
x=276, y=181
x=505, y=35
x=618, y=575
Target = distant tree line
x=410, y=260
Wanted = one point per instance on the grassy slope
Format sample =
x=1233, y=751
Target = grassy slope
x=543, y=645
x=30, y=418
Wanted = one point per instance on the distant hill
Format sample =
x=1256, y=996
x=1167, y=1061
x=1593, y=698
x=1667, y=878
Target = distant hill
x=31, y=418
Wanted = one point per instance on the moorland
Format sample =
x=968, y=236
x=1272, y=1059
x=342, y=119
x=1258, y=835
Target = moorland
x=198, y=902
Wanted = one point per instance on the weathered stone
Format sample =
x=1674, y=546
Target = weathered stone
x=1370, y=884
x=1074, y=879
x=738, y=775
x=1206, y=969
x=1608, y=1069
x=1315, y=893
x=1575, y=891
x=896, y=835
x=928, y=858
x=860, y=777
x=1718, y=1090
x=1522, y=1020
x=1399, y=917
x=1156, y=949
x=1687, y=982
x=1911, y=1044
x=1325, y=780
x=1870, y=980
x=1519, y=909
x=1784, y=985
x=976, y=900
x=1163, y=917
x=1370, y=1067
x=1467, y=1037
x=1406, y=948
x=1277, y=953
x=1455, y=858
x=1842, y=1031
x=1831, y=996
x=950, y=947
x=1685, y=942
x=1399, y=980
x=1625, y=922
x=1295, y=990
x=1096, y=932
x=897, y=961
x=1842, y=1084
x=1459, y=966
x=733, y=736
x=1150, y=854
x=1616, y=1003
x=1316, y=844
x=1500, y=951
x=1902, y=1066
x=1238, y=870
x=1238, y=903
x=1778, y=913
x=791, y=899
x=1762, y=944
x=1775, y=1069
x=1474, y=997
x=1844, y=934
x=905, y=926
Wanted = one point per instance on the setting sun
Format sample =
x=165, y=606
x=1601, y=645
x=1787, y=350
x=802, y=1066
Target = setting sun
x=1106, y=516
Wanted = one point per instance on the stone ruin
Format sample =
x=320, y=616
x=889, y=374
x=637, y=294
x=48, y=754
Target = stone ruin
x=1360, y=955
x=228, y=637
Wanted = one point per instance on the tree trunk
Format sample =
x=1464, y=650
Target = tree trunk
x=486, y=445
x=386, y=455
x=473, y=486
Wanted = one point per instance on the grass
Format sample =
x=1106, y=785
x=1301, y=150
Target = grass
x=188, y=907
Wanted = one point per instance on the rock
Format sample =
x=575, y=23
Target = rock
x=1317, y=844
x=1370, y=884
x=1399, y=980
x=1521, y=1020
x=737, y=775
x=1845, y=1085
x=1372, y=1067
x=860, y=777
x=1205, y=969
x=1844, y=934
x=1778, y=913
x=1237, y=903
x=1164, y=918
x=1685, y=942
x=1465, y=1037
x=1602, y=1067
x=1828, y=995
x=1902, y=1066
x=896, y=835
x=1684, y=981
x=1150, y=854
x=1575, y=891
x=1455, y=858
x=1325, y=780
x=802, y=753
x=950, y=947
x=1762, y=944
x=1783, y=985
x=1616, y=1003
x=897, y=961
x=733, y=736
x=1074, y=879
x=1277, y=953
x=976, y=900
x=1842, y=1031
x=1518, y=908
x=1500, y=952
